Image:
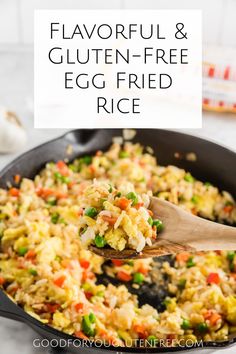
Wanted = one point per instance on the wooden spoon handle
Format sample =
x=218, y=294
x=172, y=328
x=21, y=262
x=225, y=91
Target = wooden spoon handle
x=206, y=235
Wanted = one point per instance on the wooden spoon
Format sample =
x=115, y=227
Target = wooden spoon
x=182, y=232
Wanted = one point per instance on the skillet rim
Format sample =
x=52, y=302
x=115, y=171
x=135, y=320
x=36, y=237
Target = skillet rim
x=23, y=316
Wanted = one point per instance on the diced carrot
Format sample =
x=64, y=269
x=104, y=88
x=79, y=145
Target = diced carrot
x=60, y=195
x=60, y=281
x=51, y=308
x=99, y=153
x=2, y=280
x=143, y=270
x=17, y=179
x=233, y=275
x=79, y=306
x=123, y=276
x=87, y=275
x=71, y=184
x=150, y=212
x=14, y=192
x=141, y=331
x=84, y=263
x=47, y=192
x=81, y=335
x=213, y=278
x=92, y=169
x=228, y=208
x=117, y=262
x=215, y=318
x=109, y=219
x=123, y=203
x=212, y=317
x=63, y=168
x=30, y=254
x=182, y=257
x=138, y=205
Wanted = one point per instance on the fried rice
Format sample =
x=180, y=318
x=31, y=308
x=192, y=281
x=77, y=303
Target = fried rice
x=47, y=270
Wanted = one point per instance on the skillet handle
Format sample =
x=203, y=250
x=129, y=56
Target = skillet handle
x=9, y=309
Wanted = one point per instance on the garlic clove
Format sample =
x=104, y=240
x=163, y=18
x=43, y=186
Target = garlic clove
x=12, y=134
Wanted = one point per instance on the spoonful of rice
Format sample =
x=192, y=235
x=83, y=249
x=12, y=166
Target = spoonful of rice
x=176, y=231
x=118, y=223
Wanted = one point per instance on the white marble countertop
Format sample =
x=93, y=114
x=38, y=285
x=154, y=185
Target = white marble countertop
x=16, y=93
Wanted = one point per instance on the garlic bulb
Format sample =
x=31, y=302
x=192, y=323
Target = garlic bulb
x=12, y=134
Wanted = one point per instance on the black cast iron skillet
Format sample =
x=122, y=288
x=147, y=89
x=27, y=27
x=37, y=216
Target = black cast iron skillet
x=215, y=164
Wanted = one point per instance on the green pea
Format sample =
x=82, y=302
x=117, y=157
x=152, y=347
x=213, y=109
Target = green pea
x=189, y=178
x=110, y=189
x=54, y=218
x=132, y=196
x=22, y=251
x=91, y=212
x=138, y=278
x=33, y=272
x=99, y=241
x=87, y=160
x=159, y=225
x=152, y=340
x=150, y=221
x=190, y=262
x=202, y=327
x=185, y=324
x=123, y=154
x=63, y=179
x=87, y=327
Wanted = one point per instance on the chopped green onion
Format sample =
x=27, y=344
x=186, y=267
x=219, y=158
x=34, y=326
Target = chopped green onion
x=118, y=195
x=33, y=272
x=185, y=324
x=150, y=220
x=22, y=251
x=138, y=278
x=208, y=184
x=99, y=241
x=87, y=326
x=54, y=218
x=123, y=154
x=110, y=189
x=189, y=178
x=158, y=224
x=190, y=262
x=195, y=199
x=91, y=212
x=63, y=179
x=92, y=317
x=132, y=196
x=58, y=258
